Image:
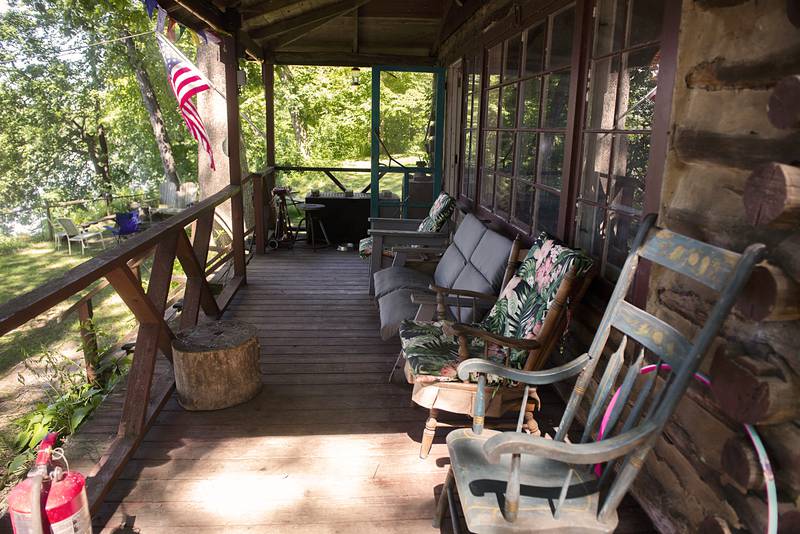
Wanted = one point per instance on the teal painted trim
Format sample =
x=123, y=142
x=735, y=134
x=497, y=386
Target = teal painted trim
x=375, y=146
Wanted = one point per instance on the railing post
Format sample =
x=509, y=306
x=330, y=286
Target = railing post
x=258, y=205
x=88, y=338
x=268, y=80
x=231, y=61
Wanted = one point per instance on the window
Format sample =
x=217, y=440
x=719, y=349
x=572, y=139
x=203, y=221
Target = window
x=560, y=148
x=526, y=124
x=617, y=133
x=472, y=107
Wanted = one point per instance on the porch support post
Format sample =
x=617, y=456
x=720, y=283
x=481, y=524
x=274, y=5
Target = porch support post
x=231, y=61
x=268, y=79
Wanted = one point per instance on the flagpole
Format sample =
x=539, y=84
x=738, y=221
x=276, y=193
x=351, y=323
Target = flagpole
x=175, y=49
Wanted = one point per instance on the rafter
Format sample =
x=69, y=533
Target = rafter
x=316, y=16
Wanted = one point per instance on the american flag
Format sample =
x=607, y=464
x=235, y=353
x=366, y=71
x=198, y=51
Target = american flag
x=186, y=81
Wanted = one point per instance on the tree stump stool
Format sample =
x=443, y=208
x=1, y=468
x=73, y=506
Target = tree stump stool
x=216, y=365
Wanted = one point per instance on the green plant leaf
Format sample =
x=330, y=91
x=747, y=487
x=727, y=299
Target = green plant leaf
x=77, y=417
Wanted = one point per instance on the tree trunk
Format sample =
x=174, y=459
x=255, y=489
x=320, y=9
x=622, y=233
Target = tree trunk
x=153, y=110
x=211, y=108
x=300, y=134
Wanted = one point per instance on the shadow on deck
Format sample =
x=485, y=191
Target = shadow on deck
x=327, y=446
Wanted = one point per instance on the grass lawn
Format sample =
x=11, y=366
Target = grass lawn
x=32, y=266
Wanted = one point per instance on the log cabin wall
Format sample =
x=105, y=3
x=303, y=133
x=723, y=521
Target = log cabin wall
x=729, y=180
x=722, y=184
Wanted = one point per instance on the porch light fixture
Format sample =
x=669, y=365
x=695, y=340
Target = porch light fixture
x=355, y=76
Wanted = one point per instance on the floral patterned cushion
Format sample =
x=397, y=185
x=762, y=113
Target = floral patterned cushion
x=431, y=354
x=440, y=213
x=523, y=304
x=365, y=247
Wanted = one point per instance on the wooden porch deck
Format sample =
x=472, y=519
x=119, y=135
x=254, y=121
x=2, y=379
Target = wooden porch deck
x=327, y=446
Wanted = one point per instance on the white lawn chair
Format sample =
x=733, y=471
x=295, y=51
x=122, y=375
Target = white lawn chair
x=79, y=235
x=57, y=235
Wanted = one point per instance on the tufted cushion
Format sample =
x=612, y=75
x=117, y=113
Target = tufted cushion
x=523, y=305
x=394, y=278
x=394, y=309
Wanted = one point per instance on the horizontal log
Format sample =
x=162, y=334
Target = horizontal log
x=738, y=151
x=787, y=255
x=793, y=12
x=714, y=4
x=772, y=196
x=741, y=465
x=784, y=455
x=753, y=391
x=769, y=295
x=783, y=108
x=763, y=73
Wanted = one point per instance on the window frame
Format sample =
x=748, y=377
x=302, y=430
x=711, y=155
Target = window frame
x=518, y=21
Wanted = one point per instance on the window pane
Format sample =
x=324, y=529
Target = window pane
x=646, y=21
x=534, y=49
x=526, y=155
x=556, y=99
x=603, y=93
x=523, y=202
x=630, y=168
x=472, y=159
x=547, y=212
x=491, y=108
x=621, y=231
x=551, y=152
x=589, y=233
x=609, y=33
x=596, y=159
x=487, y=189
x=513, y=58
x=489, y=149
x=505, y=152
x=637, y=93
x=561, y=39
x=502, y=196
x=531, y=91
x=494, y=62
x=508, y=112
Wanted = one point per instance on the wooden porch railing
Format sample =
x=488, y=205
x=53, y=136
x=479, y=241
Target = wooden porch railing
x=165, y=241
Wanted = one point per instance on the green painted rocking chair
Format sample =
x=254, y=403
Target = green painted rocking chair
x=515, y=482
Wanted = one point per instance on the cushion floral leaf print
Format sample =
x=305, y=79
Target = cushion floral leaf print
x=522, y=307
x=440, y=212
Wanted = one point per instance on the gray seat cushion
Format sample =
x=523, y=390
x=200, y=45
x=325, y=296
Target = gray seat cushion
x=395, y=308
x=394, y=278
x=475, y=260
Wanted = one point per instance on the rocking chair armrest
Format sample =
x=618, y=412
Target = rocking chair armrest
x=461, y=329
x=462, y=293
x=532, y=378
x=571, y=453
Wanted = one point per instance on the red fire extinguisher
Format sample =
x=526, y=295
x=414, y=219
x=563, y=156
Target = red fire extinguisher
x=50, y=499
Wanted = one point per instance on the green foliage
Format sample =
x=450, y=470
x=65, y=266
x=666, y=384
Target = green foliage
x=10, y=244
x=71, y=399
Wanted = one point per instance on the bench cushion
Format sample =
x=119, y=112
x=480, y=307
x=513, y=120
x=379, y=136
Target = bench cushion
x=394, y=309
x=394, y=278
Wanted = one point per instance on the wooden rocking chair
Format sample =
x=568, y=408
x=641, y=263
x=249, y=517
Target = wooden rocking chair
x=433, y=350
x=514, y=482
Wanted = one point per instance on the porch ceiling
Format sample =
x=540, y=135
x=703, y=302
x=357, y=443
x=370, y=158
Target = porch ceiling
x=331, y=32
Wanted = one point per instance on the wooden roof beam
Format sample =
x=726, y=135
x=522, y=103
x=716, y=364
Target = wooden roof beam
x=320, y=15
